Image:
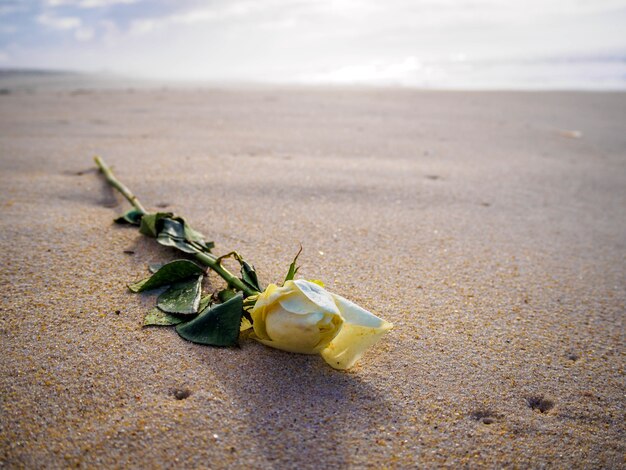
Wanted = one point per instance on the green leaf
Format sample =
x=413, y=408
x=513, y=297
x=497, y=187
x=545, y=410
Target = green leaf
x=182, y=245
x=215, y=326
x=172, y=234
x=170, y=273
x=172, y=228
x=150, y=223
x=196, y=237
x=176, y=233
x=249, y=276
x=182, y=297
x=190, y=233
x=157, y=317
x=293, y=269
x=132, y=217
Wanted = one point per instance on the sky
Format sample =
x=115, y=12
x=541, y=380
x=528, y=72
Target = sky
x=421, y=43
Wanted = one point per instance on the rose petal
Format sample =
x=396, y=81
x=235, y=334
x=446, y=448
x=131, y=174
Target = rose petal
x=299, y=304
x=360, y=331
x=296, y=333
x=318, y=295
x=328, y=328
x=282, y=347
x=269, y=296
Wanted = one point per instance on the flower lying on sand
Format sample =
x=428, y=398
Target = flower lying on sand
x=303, y=317
x=299, y=316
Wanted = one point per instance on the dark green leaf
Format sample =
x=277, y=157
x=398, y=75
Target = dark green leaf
x=172, y=228
x=196, y=237
x=132, y=217
x=191, y=234
x=249, y=276
x=183, y=231
x=150, y=223
x=177, y=233
x=172, y=233
x=182, y=297
x=157, y=317
x=293, y=269
x=216, y=326
x=168, y=274
x=182, y=245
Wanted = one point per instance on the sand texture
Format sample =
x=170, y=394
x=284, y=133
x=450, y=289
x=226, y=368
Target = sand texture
x=490, y=228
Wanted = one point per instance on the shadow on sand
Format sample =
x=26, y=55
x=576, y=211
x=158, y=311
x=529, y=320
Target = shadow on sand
x=300, y=409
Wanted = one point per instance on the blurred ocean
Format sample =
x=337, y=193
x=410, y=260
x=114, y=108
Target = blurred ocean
x=606, y=72
x=582, y=73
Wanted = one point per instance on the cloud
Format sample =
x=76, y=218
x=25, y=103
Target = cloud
x=84, y=34
x=285, y=23
x=58, y=22
x=193, y=16
x=144, y=26
x=88, y=3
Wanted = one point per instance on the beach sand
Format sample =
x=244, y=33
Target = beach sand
x=489, y=227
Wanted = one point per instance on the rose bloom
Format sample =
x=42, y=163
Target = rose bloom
x=303, y=317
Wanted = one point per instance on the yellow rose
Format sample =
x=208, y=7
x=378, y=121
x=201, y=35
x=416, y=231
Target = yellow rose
x=303, y=317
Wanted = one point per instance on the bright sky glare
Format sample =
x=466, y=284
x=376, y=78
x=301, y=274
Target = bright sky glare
x=425, y=43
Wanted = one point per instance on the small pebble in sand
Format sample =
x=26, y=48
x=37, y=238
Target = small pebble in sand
x=182, y=394
x=484, y=416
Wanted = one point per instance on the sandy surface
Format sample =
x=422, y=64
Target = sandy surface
x=481, y=224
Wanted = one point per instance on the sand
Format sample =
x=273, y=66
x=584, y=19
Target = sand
x=489, y=227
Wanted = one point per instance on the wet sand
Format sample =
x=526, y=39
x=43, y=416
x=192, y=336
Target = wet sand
x=489, y=227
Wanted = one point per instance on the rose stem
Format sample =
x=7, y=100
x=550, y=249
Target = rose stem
x=207, y=259
x=117, y=184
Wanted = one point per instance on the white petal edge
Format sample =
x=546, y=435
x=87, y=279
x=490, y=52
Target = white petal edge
x=318, y=295
x=299, y=304
x=360, y=331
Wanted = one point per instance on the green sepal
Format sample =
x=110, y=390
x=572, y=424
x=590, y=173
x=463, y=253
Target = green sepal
x=249, y=276
x=156, y=317
x=133, y=217
x=226, y=294
x=168, y=274
x=150, y=223
x=182, y=297
x=216, y=326
x=205, y=302
x=293, y=269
